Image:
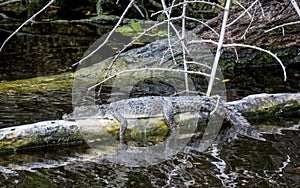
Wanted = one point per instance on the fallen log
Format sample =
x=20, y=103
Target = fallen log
x=266, y=103
x=61, y=132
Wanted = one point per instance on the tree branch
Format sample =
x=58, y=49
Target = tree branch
x=26, y=22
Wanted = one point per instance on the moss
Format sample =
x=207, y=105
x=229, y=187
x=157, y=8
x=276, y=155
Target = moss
x=151, y=126
x=36, y=142
x=38, y=85
x=36, y=179
x=226, y=64
x=262, y=58
x=270, y=110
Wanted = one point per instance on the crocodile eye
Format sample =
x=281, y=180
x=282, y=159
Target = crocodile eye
x=101, y=110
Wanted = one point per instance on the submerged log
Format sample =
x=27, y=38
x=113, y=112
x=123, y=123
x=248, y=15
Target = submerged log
x=60, y=132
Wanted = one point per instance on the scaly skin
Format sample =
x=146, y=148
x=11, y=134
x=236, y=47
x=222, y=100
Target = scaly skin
x=153, y=106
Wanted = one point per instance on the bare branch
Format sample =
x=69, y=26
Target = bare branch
x=262, y=10
x=170, y=48
x=282, y=25
x=109, y=35
x=186, y=2
x=168, y=14
x=251, y=21
x=26, y=22
x=197, y=20
x=138, y=9
x=198, y=63
x=242, y=14
x=9, y=2
x=249, y=14
x=260, y=49
x=295, y=5
x=218, y=53
x=217, y=104
x=246, y=46
x=184, y=51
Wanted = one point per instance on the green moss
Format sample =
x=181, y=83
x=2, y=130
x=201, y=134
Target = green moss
x=274, y=109
x=36, y=179
x=265, y=59
x=135, y=29
x=38, y=85
x=227, y=64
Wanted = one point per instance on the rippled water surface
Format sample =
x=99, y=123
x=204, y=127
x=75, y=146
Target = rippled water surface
x=244, y=162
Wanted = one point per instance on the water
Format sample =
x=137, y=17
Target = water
x=244, y=162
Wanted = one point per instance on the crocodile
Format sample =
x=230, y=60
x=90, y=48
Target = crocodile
x=155, y=106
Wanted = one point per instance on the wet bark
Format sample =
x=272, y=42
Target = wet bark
x=285, y=41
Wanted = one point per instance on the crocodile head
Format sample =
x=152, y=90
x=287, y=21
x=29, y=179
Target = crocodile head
x=102, y=111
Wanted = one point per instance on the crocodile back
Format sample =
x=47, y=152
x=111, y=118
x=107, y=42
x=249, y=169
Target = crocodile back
x=150, y=106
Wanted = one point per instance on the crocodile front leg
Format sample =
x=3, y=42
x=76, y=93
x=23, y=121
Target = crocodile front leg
x=123, y=122
x=169, y=113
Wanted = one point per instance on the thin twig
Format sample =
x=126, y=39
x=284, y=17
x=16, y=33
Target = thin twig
x=179, y=36
x=235, y=51
x=251, y=21
x=261, y=8
x=242, y=14
x=26, y=22
x=172, y=25
x=168, y=14
x=139, y=10
x=260, y=49
x=282, y=25
x=217, y=104
x=205, y=24
x=238, y=3
x=198, y=63
x=9, y=2
x=169, y=49
x=109, y=35
x=186, y=2
x=295, y=5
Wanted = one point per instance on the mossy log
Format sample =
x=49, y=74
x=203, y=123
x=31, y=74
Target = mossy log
x=60, y=132
x=38, y=84
x=39, y=134
x=259, y=104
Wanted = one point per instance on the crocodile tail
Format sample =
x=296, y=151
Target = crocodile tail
x=239, y=125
